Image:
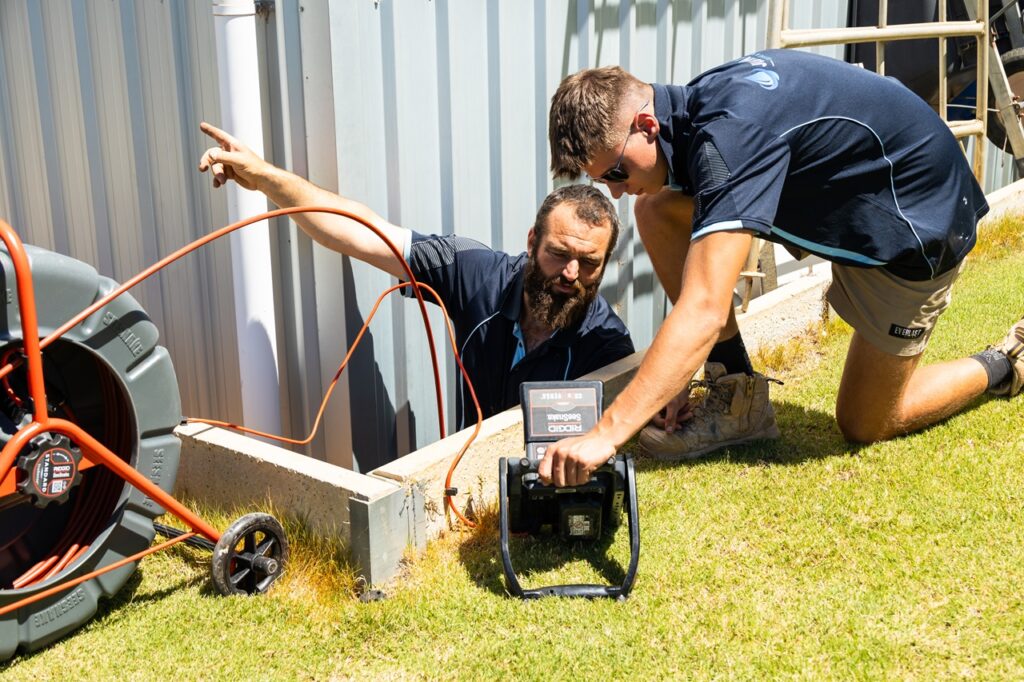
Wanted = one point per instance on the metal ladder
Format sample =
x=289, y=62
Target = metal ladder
x=780, y=35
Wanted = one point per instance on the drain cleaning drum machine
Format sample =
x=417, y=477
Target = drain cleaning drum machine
x=88, y=454
x=59, y=519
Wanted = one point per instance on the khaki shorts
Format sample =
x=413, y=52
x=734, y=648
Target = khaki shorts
x=895, y=315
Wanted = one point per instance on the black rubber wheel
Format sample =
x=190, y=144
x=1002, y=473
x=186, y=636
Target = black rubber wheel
x=1013, y=63
x=250, y=556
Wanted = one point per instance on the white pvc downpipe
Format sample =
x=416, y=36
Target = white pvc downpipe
x=241, y=114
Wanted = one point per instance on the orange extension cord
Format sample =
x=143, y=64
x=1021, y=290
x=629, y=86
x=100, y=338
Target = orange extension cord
x=337, y=375
x=87, y=518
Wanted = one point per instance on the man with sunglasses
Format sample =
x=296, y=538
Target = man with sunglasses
x=736, y=409
x=821, y=157
x=537, y=316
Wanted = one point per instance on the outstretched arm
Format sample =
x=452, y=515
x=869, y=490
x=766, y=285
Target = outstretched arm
x=232, y=160
x=681, y=345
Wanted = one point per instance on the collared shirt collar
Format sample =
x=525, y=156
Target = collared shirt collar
x=517, y=331
x=674, y=134
x=512, y=305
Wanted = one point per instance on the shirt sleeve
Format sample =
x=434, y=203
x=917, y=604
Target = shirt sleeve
x=455, y=267
x=738, y=169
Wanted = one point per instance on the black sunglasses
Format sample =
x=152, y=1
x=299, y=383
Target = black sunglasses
x=616, y=174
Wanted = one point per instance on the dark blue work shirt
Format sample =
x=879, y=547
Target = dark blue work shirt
x=824, y=156
x=482, y=290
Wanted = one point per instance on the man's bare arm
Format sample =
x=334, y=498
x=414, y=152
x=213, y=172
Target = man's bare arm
x=232, y=160
x=688, y=333
x=681, y=345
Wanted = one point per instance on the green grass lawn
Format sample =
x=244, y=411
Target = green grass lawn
x=804, y=558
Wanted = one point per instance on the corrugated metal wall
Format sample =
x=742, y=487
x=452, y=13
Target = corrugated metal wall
x=439, y=123
x=432, y=112
x=99, y=103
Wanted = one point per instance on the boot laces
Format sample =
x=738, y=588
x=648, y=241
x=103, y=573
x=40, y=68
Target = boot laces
x=718, y=396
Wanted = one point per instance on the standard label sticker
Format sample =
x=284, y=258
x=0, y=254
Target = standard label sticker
x=53, y=472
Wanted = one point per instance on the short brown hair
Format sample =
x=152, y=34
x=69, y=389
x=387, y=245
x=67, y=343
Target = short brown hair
x=583, y=114
x=592, y=207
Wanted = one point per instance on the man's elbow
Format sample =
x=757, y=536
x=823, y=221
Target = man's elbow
x=706, y=314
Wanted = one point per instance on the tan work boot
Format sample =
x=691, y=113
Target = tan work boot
x=1012, y=347
x=735, y=410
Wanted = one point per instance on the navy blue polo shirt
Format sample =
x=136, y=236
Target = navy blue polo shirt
x=821, y=155
x=482, y=290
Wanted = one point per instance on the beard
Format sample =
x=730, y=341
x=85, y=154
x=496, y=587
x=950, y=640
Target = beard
x=554, y=308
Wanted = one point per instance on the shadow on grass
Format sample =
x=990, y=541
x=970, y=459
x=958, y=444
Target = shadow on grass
x=480, y=554
x=109, y=609
x=807, y=434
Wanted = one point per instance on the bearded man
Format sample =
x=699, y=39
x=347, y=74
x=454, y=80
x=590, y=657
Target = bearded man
x=532, y=317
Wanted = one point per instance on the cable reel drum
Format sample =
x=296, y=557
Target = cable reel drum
x=63, y=518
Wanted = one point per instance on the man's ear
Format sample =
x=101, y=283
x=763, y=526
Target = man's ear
x=531, y=240
x=647, y=123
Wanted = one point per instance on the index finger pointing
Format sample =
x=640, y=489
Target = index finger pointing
x=219, y=135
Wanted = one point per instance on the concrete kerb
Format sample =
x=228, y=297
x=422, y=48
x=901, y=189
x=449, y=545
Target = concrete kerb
x=787, y=311
x=400, y=505
x=377, y=518
x=1005, y=200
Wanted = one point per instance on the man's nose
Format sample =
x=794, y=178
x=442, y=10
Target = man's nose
x=571, y=272
x=617, y=189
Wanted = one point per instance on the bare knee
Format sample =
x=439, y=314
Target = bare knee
x=856, y=432
x=856, y=429
x=870, y=405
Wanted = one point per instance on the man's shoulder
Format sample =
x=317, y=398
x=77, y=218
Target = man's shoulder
x=601, y=318
x=472, y=279
x=437, y=251
x=452, y=243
